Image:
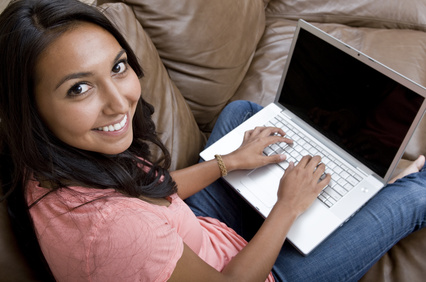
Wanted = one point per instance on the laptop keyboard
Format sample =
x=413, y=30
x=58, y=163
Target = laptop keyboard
x=343, y=177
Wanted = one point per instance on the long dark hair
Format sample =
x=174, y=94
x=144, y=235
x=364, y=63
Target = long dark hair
x=29, y=148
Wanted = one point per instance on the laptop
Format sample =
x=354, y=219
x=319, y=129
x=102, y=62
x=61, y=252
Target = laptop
x=336, y=102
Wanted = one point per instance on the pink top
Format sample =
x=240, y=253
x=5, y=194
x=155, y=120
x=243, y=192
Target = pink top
x=115, y=237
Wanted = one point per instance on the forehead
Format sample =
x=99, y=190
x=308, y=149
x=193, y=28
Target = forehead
x=81, y=48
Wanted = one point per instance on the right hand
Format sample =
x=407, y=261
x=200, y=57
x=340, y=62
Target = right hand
x=301, y=184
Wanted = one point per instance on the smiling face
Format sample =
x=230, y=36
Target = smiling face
x=86, y=92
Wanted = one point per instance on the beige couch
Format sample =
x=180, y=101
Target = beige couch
x=200, y=55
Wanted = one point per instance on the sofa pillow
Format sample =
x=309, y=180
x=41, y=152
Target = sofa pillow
x=266, y=2
x=407, y=14
x=175, y=123
x=206, y=46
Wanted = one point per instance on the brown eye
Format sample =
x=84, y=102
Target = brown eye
x=120, y=67
x=78, y=89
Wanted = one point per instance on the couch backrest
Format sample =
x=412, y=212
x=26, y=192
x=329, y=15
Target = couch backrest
x=400, y=14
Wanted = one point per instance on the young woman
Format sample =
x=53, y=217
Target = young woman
x=88, y=203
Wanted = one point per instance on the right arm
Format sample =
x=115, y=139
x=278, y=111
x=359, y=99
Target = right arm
x=298, y=188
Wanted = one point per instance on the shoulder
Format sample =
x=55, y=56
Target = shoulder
x=110, y=235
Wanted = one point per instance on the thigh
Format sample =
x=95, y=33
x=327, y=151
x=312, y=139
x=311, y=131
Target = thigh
x=398, y=210
x=218, y=200
x=232, y=116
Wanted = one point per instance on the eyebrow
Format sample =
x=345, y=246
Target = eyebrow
x=86, y=74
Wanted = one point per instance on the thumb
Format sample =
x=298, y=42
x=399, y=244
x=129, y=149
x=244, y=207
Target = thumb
x=290, y=167
x=277, y=158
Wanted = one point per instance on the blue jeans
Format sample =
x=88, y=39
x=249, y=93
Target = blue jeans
x=396, y=211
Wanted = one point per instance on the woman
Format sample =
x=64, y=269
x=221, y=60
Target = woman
x=84, y=194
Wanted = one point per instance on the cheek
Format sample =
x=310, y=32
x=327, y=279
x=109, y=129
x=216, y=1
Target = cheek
x=70, y=122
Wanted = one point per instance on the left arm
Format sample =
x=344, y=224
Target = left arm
x=249, y=155
x=192, y=179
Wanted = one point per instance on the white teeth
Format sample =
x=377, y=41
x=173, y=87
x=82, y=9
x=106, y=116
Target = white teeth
x=114, y=127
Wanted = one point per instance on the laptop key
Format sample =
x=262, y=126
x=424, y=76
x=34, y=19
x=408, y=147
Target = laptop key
x=332, y=193
x=352, y=180
x=339, y=189
x=268, y=151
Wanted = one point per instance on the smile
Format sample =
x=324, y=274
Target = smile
x=114, y=127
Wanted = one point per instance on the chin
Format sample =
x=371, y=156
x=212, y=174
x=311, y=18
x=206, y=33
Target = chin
x=114, y=150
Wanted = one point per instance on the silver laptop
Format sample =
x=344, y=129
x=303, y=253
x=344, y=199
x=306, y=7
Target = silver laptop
x=336, y=102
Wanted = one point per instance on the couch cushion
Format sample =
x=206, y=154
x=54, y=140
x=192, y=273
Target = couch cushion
x=404, y=262
x=266, y=2
x=206, y=46
x=407, y=14
x=174, y=120
x=263, y=77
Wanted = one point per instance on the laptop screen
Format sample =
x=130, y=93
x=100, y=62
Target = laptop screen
x=362, y=110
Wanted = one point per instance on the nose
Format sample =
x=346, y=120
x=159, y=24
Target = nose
x=114, y=101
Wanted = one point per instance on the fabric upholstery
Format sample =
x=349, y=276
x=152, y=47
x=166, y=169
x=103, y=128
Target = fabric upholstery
x=404, y=262
x=407, y=14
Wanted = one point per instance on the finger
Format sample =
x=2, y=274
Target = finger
x=248, y=133
x=277, y=139
x=319, y=170
x=323, y=182
x=266, y=131
x=304, y=161
x=276, y=158
x=313, y=162
x=277, y=131
x=289, y=168
x=258, y=129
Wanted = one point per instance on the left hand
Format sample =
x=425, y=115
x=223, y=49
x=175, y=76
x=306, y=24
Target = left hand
x=250, y=154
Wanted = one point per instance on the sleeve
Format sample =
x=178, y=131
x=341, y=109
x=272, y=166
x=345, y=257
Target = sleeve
x=133, y=245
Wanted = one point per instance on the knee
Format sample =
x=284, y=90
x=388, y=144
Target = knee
x=242, y=107
x=412, y=195
x=238, y=105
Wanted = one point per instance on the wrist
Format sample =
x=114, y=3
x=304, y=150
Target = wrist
x=283, y=207
x=221, y=164
x=228, y=160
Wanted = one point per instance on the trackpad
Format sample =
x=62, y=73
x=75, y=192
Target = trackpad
x=263, y=183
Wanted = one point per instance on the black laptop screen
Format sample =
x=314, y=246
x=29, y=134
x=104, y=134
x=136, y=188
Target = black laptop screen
x=365, y=112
